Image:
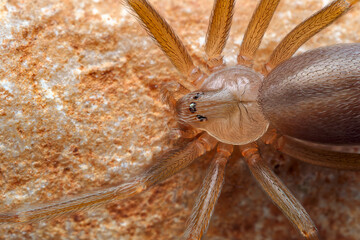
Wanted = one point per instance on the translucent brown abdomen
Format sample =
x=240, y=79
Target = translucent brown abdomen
x=316, y=96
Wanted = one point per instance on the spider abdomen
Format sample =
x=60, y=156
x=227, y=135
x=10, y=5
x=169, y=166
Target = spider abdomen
x=316, y=96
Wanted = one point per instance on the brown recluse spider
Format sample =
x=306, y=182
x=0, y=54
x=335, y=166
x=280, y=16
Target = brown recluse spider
x=305, y=106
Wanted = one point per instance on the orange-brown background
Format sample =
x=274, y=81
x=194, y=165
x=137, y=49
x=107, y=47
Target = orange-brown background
x=80, y=109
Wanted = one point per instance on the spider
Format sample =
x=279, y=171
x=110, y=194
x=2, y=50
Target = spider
x=203, y=118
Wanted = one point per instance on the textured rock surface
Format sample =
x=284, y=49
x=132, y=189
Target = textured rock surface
x=80, y=109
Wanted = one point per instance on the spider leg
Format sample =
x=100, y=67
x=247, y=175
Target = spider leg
x=209, y=193
x=218, y=32
x=168, y=41
x=318, y=156
x=307, y=29
x=279, y=193
x=169, y=164
x=255, y=31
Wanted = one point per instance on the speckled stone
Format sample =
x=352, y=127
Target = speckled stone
x=80, y=109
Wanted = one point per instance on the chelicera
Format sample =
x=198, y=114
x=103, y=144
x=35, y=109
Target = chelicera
x=304, y=106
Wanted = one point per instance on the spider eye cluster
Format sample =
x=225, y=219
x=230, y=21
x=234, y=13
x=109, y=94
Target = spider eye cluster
x=192, y=107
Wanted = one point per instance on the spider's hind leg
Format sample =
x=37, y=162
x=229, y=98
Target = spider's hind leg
x=279, y=193
x=318, y=156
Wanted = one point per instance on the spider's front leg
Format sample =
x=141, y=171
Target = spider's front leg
x=168, y=165
x=279, y=193
x=168, y=41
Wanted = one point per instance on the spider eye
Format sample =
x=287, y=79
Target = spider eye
x=196, y=97
x=201, y=118
x=192, y=107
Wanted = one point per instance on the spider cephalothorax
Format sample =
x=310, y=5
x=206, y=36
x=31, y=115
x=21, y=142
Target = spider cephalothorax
x=226, y=106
